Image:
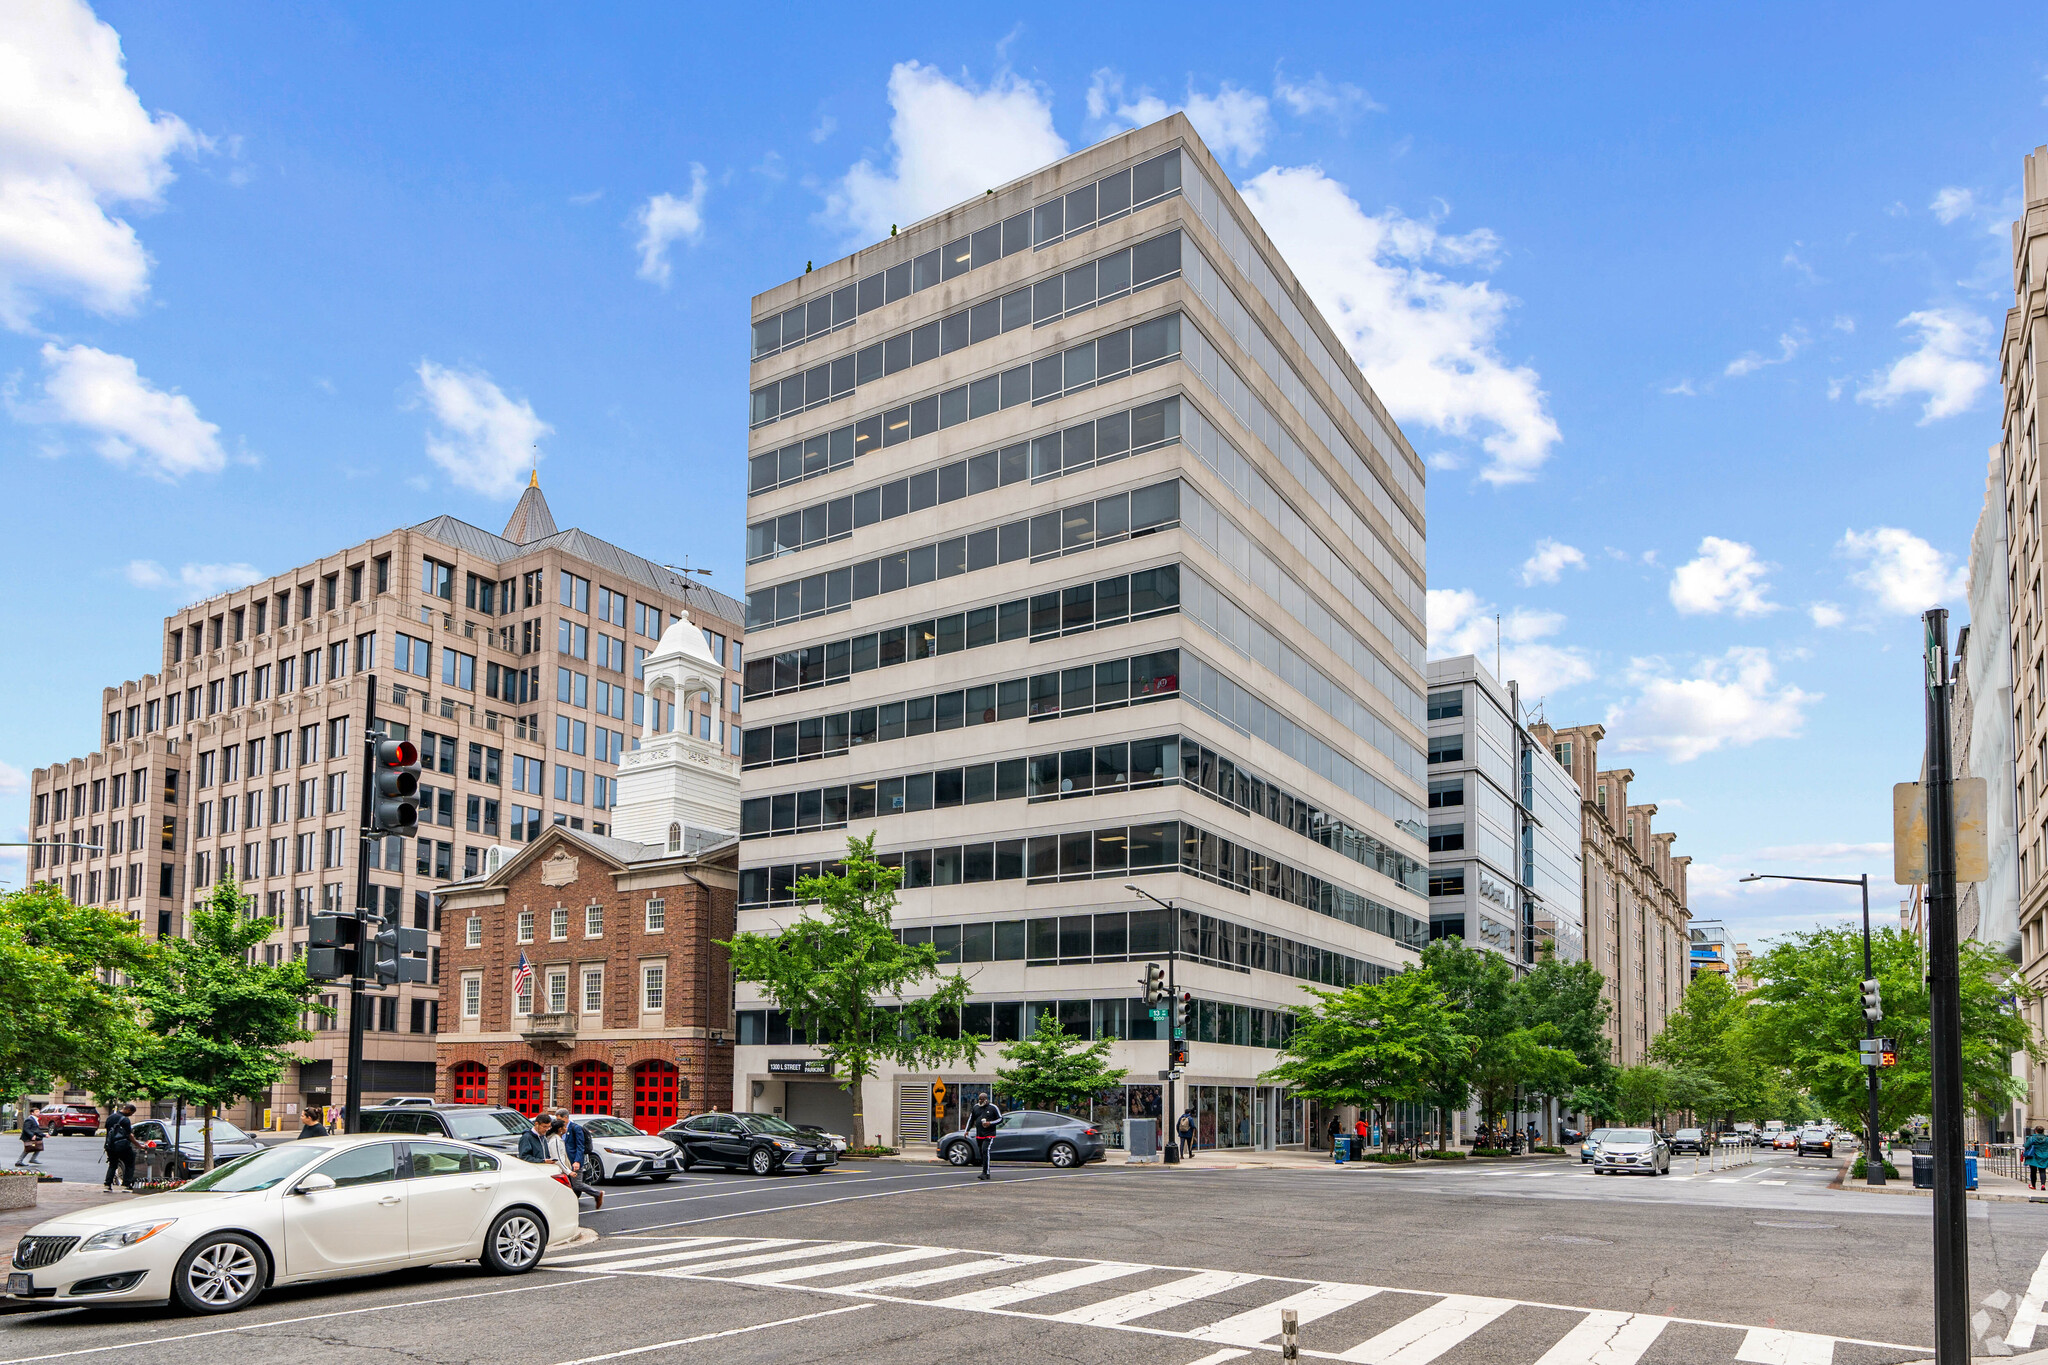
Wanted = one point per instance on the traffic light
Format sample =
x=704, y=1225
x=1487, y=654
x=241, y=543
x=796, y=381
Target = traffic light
x=1887, y=1055
x=1183, y=1006
x=394, y=801
x=1179, y=1053
x=1873, y=1007
x=331, y=947
x=1155, y=982
x=390, y=947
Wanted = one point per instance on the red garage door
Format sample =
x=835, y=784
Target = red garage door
x=654, y=1096
x=590, y=1088
x=466, y=1080
x=522, y=1087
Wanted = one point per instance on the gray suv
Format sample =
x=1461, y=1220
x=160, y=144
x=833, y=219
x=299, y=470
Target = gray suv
x=485, y=1125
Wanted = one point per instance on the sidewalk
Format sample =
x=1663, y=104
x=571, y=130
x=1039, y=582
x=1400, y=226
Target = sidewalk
x=1235, y=1159
x=1991, y=1188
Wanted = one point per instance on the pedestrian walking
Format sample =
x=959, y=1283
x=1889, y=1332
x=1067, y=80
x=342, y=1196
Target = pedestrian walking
x=982, y=1122
x=2035, y=1154
x=1186, y=1130
x=120, y=1146
x=558, y=1151
x=533, y=1143
x=1336, y=1130
x=1364, y=1133
x=310, y=1125
x=31, y=1140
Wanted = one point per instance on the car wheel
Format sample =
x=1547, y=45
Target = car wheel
x=515, y=1242
x=664, y=1175
x=593, y=1169
x=762, y=1162
x=220, y=1274
x=958, y=1154
x=1063, y=1155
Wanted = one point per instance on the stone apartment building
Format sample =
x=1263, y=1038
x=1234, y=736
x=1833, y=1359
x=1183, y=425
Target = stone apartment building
x=512, y=660
x=1638, y=927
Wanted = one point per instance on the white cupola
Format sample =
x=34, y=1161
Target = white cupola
x=677, y=790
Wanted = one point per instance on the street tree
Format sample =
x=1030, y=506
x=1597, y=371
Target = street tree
x=220, y=1024
x=1641, y=1093
x=1568, y=996
x=1710, y=1037
x=833, y=970
x=1480, y=986
x=65, y=1010
x=1054, y=1068
x=1374, y=1044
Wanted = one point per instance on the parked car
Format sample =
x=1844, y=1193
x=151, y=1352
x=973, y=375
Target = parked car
x=317, y=1209
x=485, y=1125
x=1814, y=1142
x=619, y=1151
x=1692, y=1140
x=836, y=1141
x=397, y=1100
x=1031, y=1135
x=189, y=1138
x=1573, y=1135
x=761, y=1143
x=1591, y=1146
x=1632, y=1149
x=61, y=1119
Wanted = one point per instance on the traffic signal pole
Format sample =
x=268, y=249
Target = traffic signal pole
x=1873, y=1149
x=1951, y=1233
x=353, y=1104
x=1173, y=1016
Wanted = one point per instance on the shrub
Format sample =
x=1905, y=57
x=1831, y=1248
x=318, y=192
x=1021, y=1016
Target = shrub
x=1431, y=1154
x=1389, y=1157
x=1548, y=1151
x=1858, y=1170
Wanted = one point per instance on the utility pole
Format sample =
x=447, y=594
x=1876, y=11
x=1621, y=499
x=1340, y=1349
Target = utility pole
x=1951, y=1232
x=352, y=1105
x=1175, y=1046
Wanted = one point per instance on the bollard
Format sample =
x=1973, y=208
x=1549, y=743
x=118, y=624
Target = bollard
x=1290, y=1338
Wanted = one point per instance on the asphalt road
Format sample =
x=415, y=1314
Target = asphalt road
x=1538, y=1264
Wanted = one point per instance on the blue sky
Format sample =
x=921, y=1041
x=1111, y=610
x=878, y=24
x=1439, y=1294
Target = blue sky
x=1693, y=316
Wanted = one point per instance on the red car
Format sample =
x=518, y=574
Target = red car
x=60, y=1119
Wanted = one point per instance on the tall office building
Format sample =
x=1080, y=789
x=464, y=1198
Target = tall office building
x=1504, y=848
x=1081, y=558
x=511, y=660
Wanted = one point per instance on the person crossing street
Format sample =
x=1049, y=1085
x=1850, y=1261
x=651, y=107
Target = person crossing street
x=983, y=1120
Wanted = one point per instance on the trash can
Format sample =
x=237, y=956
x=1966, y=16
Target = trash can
x=1141, y=1139
x=1969, y=1173
x=1923, y=1171
x=1340, y=1150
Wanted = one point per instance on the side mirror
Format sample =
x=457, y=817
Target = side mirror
x=314, y=1183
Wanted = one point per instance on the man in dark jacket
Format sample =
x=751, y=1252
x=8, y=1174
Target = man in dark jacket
x=31, y=1139
x=120, y=1144
x=310, y=1125
x=982, y=1122
x=533, y=1143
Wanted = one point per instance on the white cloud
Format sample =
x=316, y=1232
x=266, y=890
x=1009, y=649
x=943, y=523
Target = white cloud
x=125, y=419
x=1429, y=344
x=1725, y=575
x=1551, y=559
x=663, y=219
x=197, y=580
x=12, y=779
x=1235, y=122
x=1951, y=203
x=1947, y=365
x=74, y=142
x=1842, y=322
x=1902, y=573
x=487, y=440
x=1732, y=700
x=1460, y=623
x=951, y=142
x=1318, y=95
x=827, y=125
x=1749, y=362
x=1826, y=615
x=1803, y=853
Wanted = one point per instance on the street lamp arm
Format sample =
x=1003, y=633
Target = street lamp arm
x=1787, y=877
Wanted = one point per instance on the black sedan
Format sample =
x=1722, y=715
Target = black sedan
x=1031, y=1135
x=1692, y=1140
x=760, y=1143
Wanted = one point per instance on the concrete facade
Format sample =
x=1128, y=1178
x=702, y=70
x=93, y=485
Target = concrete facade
x=1080, y=555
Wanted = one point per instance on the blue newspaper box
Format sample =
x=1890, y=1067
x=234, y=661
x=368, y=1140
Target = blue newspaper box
x=1969, y=1173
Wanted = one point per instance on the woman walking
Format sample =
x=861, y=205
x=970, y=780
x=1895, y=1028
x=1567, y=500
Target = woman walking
x=558, y=1152
x=2035, y=1154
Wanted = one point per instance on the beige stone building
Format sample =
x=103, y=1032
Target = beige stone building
x=1637, y=921
x=511, y=660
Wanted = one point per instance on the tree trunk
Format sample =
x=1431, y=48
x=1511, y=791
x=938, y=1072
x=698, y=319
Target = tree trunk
x=206, y=1136
x=860, y=1118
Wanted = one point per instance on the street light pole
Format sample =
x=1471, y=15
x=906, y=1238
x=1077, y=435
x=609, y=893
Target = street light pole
x=1873, y=1141
x=1945, y=1034
x=1171, y=1112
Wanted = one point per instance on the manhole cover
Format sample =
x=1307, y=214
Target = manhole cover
x=1763, y=1223
x=1578, y=1241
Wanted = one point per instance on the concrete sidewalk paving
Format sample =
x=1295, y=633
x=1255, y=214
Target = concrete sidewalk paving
x=1991, y=1187
x=1232, y=1159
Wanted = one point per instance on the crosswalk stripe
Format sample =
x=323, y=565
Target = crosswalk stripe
x=2029, y=1315
x=811, y=1272
x=1425, y=1336
x=1080, y=1277
x=1606, y=1339
x=796, y=1253
x=1218, y=1357
x=671, y=1257
x=944, y=1274
x=1157, y=1299
x=1770, y=1346
x=629, y=1250
x=1262, y=1324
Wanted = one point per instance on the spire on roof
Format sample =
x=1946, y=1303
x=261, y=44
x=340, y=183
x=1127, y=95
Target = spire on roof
x=531, y=519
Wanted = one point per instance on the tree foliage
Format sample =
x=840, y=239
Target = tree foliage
x=1528, y=1035
x=63, y=1009
x=1374, y=1044
x=833, y=969
x=1054, y=1068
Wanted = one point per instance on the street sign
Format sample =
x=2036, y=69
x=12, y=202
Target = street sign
x=1968, y=801
x=1157, y=1011
x=1180, y=1033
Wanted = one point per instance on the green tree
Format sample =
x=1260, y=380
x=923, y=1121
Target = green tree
x=830, y=971
x=1710, y=1038
x=62, y=1009
x=220, y=1024
x=1054, y=1068
x=1808, y=1017
x=1480, y=986
x=1373, y=1044
x=1567, y=996
x=1641, y=1093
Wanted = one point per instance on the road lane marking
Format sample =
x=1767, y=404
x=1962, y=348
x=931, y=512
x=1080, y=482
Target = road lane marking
x=737, y=1187
x=767, y=1258
x=1157, y=1299
x=727, y=1246
x=611, y=1251
x=1218, y=1357
x=809, y=1272
x=945, y=1274
x=2029, y=1314
x=1770, y=1182
x=1606, y=1339
x=1769, y=1346
x=1258, y=1325
x=1419, y=1339
x=714, y=1336
x=1080, y=1277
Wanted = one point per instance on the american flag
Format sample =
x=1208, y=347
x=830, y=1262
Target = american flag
x=522, y=978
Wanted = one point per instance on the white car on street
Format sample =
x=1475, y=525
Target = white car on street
x=309, y=1210
x=619, y=1151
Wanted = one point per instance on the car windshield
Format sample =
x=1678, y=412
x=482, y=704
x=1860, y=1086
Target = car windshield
x=1626, y=1135
x=768, y=1123
x=488, y=1123
x=223, y=1131
x=1688, y=1133
x=1599, y=1134
x=258, y=1170
x=609, y=1127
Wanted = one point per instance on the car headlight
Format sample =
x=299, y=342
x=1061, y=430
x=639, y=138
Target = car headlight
x=785, y=1144
x=114, y=1238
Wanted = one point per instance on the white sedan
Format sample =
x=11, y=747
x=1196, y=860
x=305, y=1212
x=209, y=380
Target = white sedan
x=309, y=1210
x=619, y=1151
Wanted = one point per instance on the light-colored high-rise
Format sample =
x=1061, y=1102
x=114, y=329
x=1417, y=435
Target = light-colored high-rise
x=511, y=660
x=1081, y=556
